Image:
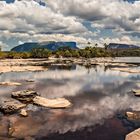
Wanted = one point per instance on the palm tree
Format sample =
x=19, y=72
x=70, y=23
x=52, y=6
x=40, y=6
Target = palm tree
x=96, y=45
x=106, y=46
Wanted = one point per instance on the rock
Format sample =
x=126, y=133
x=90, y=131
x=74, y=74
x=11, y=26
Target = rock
x=51, y=103
x=21, y=127
x=129, y=70
x=29, y=80
x=10, y=105
x=133, y=115
x=135, y=135
x=23, y=113
x=10, y=84
x=25, y=95
x=21, y=68
x=4, y=124
x=136, y=92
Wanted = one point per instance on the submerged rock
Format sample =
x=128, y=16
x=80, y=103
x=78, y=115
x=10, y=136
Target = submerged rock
x=22, y=128
x=51, y=103
x=133, y=115
x=25, y=95
x=10, y=84
x=136, y=92
x=10, y=105
x=23, y=113
x=135, y=135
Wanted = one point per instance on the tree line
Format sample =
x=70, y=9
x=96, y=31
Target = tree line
x=88, y=52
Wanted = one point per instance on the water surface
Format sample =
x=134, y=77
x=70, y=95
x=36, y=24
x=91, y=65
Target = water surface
x=99, y=96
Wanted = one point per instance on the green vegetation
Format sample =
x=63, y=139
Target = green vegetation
x=88, y=52
x=40, y=53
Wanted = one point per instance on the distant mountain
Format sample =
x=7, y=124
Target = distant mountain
x=122, y=46
x=53, y=46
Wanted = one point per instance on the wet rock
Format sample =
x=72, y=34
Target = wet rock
x=5, y=138
x=4, y=123
x=11, y=131
x=23, y=113
x=30, y=80
x=136, y=92
x=10, y=105
x=25, y=95
x=52, y=103
x=133, y=115
x=135, y=135
x=10, y=84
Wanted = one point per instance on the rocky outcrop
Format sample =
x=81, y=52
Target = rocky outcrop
x=25, y=95
x=10, y=105
x=135, y=135
x=51, y=103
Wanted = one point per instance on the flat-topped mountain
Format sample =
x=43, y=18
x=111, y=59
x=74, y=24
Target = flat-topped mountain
x=53, y=46
x=122, y=46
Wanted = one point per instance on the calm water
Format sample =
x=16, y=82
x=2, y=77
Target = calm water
x=99, y=96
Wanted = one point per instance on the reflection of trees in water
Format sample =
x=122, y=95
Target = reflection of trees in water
x=89, y=67
x=63, y=67
x=135, y=77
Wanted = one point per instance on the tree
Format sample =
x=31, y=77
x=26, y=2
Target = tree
x=96, y=45
x=40, y=53
x=67, y=54
x=106, y=46
x=0, y=48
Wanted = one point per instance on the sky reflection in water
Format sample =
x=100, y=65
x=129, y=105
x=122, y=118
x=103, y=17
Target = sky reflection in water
x=96, y=95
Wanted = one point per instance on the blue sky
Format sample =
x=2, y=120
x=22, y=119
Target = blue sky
x=95, y=21
x=9, y=1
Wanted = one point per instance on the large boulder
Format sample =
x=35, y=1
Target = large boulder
x=10, y=105
x=51, y=103
x=135, y=135
x=25, y=95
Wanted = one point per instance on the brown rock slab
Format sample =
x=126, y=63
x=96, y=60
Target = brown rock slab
x=10, y=105
x=24, y=95
x=52, y=103
x=21, y=127
x=135, y=135
x=133, y=115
